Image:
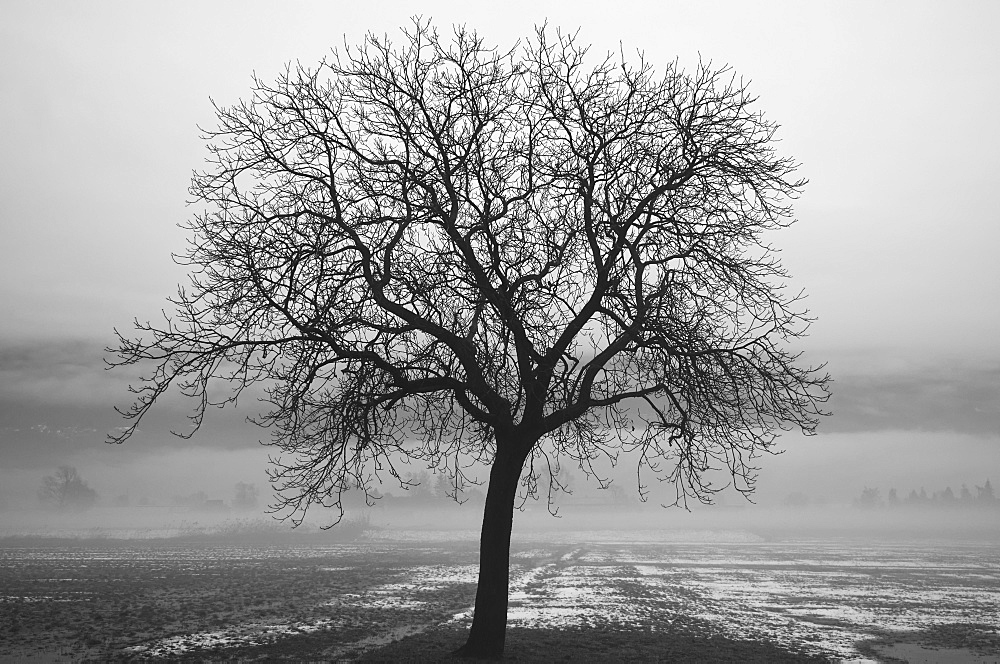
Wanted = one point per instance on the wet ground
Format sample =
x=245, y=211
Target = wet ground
x=832, y=599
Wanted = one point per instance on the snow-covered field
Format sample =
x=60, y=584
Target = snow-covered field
x=835, y=598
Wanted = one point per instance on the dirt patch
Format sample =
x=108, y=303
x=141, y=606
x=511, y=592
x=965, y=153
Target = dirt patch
x=196, y=601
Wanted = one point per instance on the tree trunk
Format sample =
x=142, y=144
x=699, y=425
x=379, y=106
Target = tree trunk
x=489, y=622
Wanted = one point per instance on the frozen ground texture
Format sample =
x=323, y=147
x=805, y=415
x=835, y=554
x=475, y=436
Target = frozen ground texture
x=834, y=599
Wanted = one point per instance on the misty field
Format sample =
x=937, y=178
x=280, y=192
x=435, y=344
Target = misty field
x=576, y=595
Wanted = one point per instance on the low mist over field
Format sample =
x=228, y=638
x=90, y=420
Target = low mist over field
x=925, y=481
x=966, y=511
x=893, y=426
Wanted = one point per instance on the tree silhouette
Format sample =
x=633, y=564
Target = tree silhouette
x=465, y=256
x=444, y=488
x=869, y=498
x=66, y=490
x=245, y=496
x=984, y=494
x=965, y=495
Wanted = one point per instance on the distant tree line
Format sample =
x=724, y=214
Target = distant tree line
x=984, y=496
x=244, y=499
x=423, y=488
x=65, y=489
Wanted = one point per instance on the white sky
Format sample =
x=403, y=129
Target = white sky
x=890, y=107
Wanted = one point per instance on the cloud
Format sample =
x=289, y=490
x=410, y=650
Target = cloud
x=56, y=400
x=941, y=397
x=58, y=372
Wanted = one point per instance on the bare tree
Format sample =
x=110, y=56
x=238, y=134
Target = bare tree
x=506, y=259
x=984, y=494
x=66, y=489
x=869, y=499
x=245, y=496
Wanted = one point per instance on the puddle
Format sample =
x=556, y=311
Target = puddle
x=917, y=654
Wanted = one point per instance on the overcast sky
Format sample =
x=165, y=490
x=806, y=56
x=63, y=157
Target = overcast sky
x=890, y=108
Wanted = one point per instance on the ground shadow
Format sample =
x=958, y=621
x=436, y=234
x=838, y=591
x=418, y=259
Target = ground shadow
x=593, y=644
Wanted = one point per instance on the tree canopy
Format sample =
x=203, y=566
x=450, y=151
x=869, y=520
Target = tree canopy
x=444, y=251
